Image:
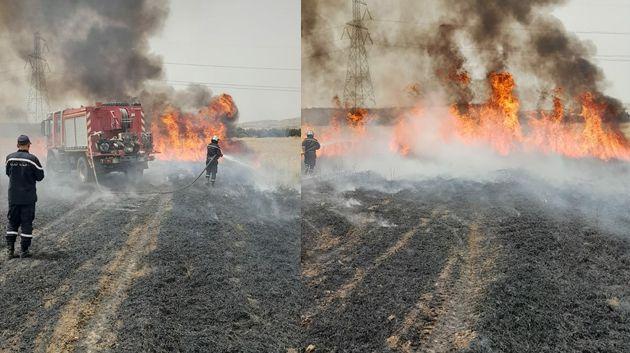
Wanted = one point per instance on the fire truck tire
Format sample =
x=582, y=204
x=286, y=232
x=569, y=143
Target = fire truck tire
x=134, y=173
x=86, y=174
x=53, y=163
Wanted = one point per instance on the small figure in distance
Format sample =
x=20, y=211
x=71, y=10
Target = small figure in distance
x=310, y=145
x=212, y=160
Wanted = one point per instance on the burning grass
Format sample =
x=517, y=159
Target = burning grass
x=578, y=127
x=183, y=136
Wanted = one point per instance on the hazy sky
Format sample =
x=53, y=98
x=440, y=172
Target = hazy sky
x=611, y=18
x=605, y=24
x=245, y=33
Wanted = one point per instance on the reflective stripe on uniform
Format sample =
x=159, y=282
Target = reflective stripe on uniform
x=12, y=233
x=26, y=235
x=24, y=160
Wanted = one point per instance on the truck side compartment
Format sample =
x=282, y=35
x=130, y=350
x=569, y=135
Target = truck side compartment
x=103, y=138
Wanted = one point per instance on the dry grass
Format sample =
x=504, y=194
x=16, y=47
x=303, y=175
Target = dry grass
x=279, y=157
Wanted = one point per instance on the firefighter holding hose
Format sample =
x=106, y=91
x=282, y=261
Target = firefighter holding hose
x=212, y=160
x=309, y=148
x=24, y=171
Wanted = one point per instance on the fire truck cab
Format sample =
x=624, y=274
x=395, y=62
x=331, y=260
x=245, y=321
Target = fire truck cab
x=99, y=139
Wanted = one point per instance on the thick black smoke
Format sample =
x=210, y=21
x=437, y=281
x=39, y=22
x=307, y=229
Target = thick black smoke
x=450, y=36
x=96, y=49
x=448, y=65
x=523, y=34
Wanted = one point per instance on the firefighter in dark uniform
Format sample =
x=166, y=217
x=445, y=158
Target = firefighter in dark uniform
x=212, y=160
x=24, y=171
x=309, y=148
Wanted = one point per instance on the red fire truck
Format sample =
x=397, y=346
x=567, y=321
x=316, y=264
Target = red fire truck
x=99, y=139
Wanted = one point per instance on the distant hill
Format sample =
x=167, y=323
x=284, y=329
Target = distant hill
x=293, y=123
x=321, y=116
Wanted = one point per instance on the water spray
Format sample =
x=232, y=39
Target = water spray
x=238, y=161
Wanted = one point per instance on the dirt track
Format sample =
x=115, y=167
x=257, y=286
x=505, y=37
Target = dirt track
x=452, y=265
x=200, y=270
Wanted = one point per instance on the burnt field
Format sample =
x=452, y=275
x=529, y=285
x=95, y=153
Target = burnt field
x=205, y=269
x=511, y=264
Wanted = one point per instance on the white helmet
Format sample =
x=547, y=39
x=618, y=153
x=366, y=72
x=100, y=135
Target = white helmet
x=215, y=138
x=310, y=133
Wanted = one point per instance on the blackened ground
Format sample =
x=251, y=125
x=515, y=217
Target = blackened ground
x=203, y=270
x=510, y=265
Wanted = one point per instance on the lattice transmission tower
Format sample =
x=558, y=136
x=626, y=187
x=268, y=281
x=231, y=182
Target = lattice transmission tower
x=358, y=90
x=37, y=101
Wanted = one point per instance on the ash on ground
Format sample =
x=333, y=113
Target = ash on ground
x=122, y=270
x=506, y=264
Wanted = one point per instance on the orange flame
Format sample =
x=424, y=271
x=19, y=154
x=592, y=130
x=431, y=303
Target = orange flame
x=403, y=138
x=589, y=138
x=184, y=136
x=357, y=118
x=496, y=121
x=344, y=130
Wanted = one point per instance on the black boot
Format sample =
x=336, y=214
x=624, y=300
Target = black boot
x=24, y=244
x=11, y=248
x=11, y=251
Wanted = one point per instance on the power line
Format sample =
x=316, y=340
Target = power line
x=616, y=60
x=234, y=86
x=609, y=57
x=613, y=56
x=513, y=28
x=235, y=66
x=321, y=30
x=240, y=85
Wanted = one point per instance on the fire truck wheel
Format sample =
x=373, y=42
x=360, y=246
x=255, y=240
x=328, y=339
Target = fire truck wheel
x=134, y=173
x=85, y=172
x=53, y=163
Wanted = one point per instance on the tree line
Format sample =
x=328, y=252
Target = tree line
x=273, y=132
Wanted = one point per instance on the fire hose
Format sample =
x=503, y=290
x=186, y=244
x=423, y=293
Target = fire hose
x=148, y=192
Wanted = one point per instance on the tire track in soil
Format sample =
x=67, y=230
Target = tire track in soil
x=329, y=248
x=223, y=278
x=361, y=273
x=323, y=251
x=444, y=319
x=43, y=232
x=350, y=297
x=396, y=323
x=48, y=253
x=88, y=323
x=50, y=300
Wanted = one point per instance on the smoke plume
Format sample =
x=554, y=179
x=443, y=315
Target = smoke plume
x=95, y=49
x=442, y=42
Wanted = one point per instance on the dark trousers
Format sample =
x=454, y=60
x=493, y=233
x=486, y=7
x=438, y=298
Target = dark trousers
x=211, y=171
x=309, y=162
x=20, y=218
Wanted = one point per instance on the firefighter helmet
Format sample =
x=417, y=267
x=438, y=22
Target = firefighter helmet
x=215, y=138
x=310, y=133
